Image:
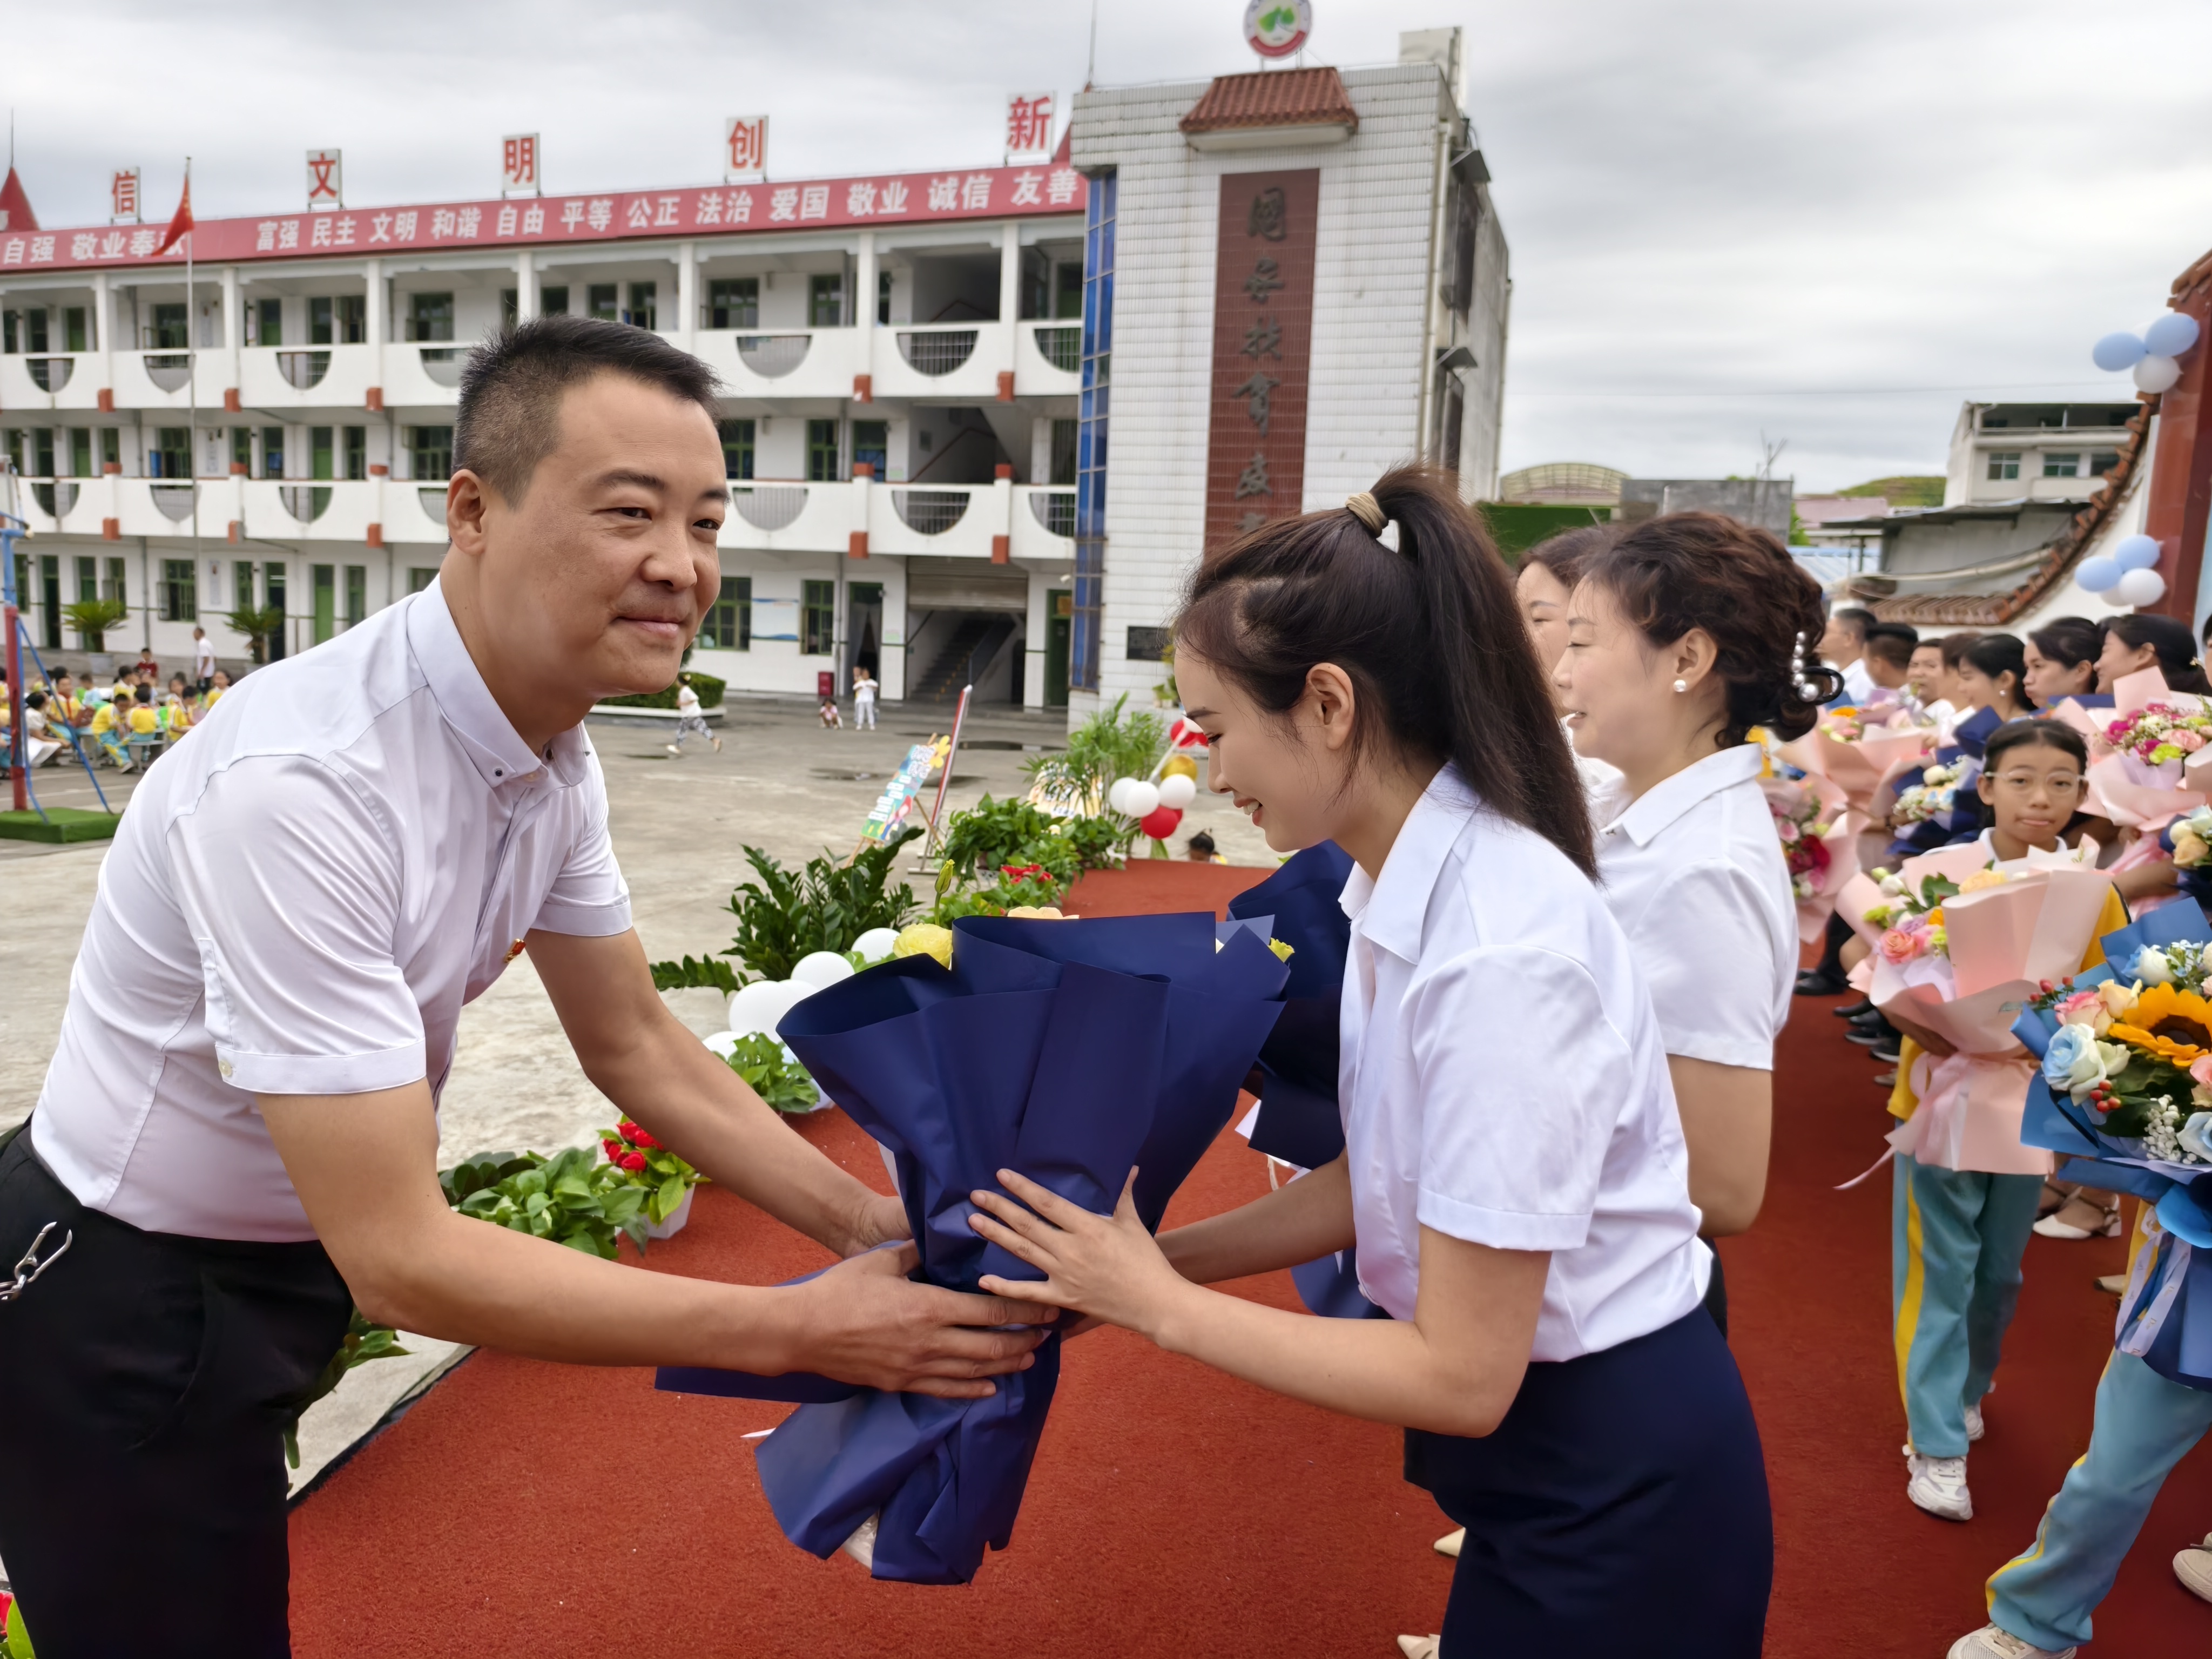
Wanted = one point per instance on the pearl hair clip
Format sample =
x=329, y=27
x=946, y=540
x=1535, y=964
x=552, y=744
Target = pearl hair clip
x=1807, y=687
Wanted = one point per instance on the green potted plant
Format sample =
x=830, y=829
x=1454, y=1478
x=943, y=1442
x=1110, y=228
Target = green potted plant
x=785, y=915
x=91, y=618
x=259, y=623
x=666, y=1178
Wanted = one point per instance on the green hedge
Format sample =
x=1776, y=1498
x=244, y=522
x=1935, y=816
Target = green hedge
x=708, y=688
x=1517, y=527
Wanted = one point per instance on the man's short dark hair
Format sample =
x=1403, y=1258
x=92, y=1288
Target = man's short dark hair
x=1904, y=631
x=1859, y=618
x=512, y=385
x=1890, y=646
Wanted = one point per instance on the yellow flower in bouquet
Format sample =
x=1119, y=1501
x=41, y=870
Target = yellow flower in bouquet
x=1982, y=880
x=924, y=939
x=2173, y=1024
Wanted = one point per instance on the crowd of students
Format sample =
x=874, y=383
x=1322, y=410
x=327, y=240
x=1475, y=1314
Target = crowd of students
x=1960, y=1235
x=124, y=723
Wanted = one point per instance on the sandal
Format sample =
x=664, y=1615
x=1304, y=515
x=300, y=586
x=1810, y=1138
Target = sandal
x=2107, y=1224
x=2055, y=1195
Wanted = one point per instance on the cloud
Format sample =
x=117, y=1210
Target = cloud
x=1707, y=196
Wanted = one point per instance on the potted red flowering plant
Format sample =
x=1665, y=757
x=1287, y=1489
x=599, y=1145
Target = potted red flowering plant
x=666, y=1178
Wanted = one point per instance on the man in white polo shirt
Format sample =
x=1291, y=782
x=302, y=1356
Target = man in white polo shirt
x=237, y=1140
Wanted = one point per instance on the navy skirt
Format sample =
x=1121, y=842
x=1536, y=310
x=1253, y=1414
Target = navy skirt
x=1620, y=1507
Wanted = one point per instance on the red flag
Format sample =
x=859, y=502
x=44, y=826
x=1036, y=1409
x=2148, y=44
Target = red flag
x=15, y=206
x=182, y=224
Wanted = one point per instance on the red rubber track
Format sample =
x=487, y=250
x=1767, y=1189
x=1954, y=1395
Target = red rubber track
x=525, y=1508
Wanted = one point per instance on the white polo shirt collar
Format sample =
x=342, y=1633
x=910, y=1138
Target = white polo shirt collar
x=1389, y=913
x=1658, y=808
x=487, y=737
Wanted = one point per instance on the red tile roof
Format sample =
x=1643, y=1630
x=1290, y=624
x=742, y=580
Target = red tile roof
x=1273, y=98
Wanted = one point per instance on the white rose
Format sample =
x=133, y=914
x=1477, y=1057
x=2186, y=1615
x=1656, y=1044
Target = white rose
x=2194, y=1133
x=2152, y=967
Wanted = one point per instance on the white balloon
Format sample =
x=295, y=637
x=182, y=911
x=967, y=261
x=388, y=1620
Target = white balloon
x=1138, y=800
x=1178, y=791
x=1116, y=796
x=2170, y=335
x=821, y=969
x=2140, y=587
x=762, y=1006
x=2157, y=374
x=2136, y=553
x=2115, y=352
x=877, y=943
x=2095, y=576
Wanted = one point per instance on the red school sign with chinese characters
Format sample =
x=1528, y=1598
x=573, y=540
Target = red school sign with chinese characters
x=728, y=209
x=1263, y=293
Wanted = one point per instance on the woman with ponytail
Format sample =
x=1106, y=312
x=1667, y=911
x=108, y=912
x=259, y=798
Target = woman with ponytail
x=1682, y=636
x=1515, y=1178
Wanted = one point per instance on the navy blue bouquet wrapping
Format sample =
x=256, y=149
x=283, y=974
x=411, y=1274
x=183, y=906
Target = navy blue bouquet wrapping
x=1299, y=1122
x=2166, y=1313
x=1069, y=1051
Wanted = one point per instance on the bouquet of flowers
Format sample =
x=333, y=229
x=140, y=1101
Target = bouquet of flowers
x=1820, y=845
x=2123, y=1084
x=1935, y=796
x=1964, y=943
x=1855, y=755
x=2144, y=770
x=1070, y=1050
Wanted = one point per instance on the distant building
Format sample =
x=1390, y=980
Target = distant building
x=1762, y=501
x=1562, y=483
x=2032, y=452
x=1839, y=522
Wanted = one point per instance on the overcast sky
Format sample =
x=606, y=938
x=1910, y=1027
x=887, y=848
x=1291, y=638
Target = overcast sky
x=1824, y=223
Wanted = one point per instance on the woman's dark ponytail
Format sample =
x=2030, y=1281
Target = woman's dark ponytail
x=1428, y=631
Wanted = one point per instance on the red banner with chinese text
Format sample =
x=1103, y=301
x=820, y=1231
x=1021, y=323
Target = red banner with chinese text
x=1263, y=283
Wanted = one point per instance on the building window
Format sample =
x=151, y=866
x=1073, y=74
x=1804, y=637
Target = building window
x=167, y=334
x=323, y=581
x=352, y=319
x=42, y=450
x=733, y=302
x=600, y=301
x=644, y=311
x=729, y=625
x=553, y=301
x=883, y=296
x=430, y=452
x=420, y=576
x=429, y=316
x=80, y=444
x=825, y=302
x=1085, y=641
x=357, y=452
x=1063, y=451
x=356, y=609
x=111, y=447
x=76, y=337
x=180, y=591
x=871, y=443
x=821, y=451
x=272, y=452
x=2062, y=465
x=2004, y=464
x=510, y=307
x=11, y=331
x=1067, y=291
x=241, y=585
x=320, y=326
x=321, y=461
x=737, y=449
x=267, y=317
x=241, y=449
x=38, y=331
x=171, y=457
x=2103, y=461
x=818, y=618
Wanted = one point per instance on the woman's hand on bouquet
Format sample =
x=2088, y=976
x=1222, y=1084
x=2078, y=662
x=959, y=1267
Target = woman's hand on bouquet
x=865, y=1321
x=1107, y=1267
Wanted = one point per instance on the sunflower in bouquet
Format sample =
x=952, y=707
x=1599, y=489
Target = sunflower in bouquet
x=2136, y=1054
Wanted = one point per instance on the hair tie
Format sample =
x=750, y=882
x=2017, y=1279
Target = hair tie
x=1363, y=506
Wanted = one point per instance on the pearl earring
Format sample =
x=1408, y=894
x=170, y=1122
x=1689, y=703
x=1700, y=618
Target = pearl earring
x=1681, y=685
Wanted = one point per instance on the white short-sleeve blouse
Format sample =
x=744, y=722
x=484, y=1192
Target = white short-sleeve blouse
x=1502, y=1079
x=1693, y=870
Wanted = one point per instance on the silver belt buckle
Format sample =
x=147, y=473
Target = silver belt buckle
x=30, y=1266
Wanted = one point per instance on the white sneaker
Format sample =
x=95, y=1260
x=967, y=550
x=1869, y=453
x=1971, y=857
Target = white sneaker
x=1973, y=1423
x=1938, y=1485
x=1990, y=1642
x=1420, y=1647
x=673, y=749
x=1449, y=1543
x=2193, y=1567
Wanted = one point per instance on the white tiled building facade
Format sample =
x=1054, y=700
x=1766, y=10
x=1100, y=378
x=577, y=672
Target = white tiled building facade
x=898, y=353
x=1410, y=296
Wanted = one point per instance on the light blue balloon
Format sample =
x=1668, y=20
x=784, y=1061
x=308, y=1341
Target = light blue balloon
x=2098, y=575
x=2170, y=335
x=2115, y=352
x=2136, y=553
